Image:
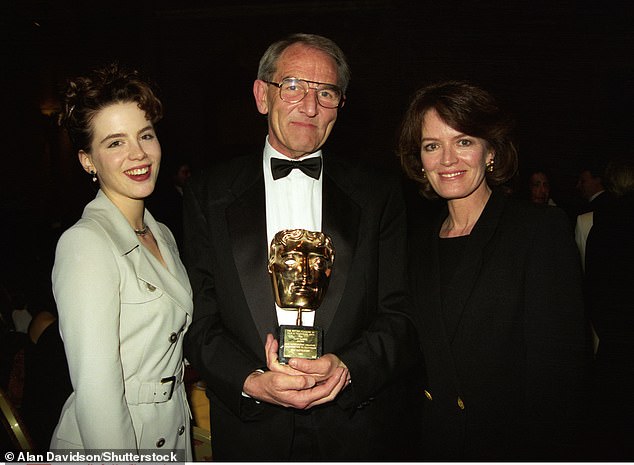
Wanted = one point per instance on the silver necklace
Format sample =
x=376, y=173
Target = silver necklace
x=143, y=231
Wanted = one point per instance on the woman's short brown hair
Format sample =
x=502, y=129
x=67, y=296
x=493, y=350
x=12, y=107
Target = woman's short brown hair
x=85, y=96
x=468, y=109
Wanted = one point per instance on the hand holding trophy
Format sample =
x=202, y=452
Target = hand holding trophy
x=300, y=265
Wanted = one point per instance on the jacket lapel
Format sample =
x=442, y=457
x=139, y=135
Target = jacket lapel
x=426, y=286
x=340, y=220
x=246, y=222
x=468, y=270
x=429, y=286
x=426, y=290
x=174, y=282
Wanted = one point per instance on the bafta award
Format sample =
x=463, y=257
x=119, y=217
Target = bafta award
x=300, y=265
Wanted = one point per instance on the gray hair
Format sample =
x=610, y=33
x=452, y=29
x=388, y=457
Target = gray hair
x=268, y=62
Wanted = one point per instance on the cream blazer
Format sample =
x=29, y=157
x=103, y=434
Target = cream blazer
x=122, y=317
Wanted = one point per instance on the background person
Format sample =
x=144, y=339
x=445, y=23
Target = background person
x=122, y=293
x=591, y=188
x=497, y=284
x=608, y=281
x=46, y=381
x=539, y=188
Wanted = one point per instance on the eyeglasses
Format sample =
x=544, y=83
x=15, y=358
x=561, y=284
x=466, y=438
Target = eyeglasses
x=293, y=90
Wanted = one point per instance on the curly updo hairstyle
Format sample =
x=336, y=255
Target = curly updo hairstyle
x=468, y=109
x=86, y=95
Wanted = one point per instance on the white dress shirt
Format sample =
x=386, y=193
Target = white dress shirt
x=292, y=202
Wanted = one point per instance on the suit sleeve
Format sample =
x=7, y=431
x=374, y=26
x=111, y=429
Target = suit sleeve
x=86, y=283
x=387, y=348
x=216, y=354
x=555, y=332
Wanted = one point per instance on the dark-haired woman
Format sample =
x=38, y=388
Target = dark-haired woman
x=123, y=296
x=498, y=290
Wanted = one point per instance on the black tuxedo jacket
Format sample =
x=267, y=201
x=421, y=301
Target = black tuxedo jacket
x=609, y=279
x=602, y=200
x=506, y=379
x=363, y=314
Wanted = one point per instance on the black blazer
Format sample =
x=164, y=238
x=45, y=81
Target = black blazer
x=507, y=378
x=363, y=313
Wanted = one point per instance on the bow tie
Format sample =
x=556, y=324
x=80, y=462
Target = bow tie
x=310, y=167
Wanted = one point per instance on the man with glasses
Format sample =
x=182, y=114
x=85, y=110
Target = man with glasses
x=352, y=403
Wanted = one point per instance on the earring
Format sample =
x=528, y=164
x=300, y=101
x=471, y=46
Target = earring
x=422, y=170
x=489, y=165
x=94, y=175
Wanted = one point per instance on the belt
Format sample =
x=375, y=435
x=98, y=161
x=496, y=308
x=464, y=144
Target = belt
x=152, y=392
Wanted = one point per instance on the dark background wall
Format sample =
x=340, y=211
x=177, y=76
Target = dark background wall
x=564, y=68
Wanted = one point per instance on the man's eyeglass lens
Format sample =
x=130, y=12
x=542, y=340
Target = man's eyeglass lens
x=294, y=90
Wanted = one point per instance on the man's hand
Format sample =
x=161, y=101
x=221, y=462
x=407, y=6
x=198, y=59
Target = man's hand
x=322, y=368
x=297, y=391
x=301, y=384
x=271, y=348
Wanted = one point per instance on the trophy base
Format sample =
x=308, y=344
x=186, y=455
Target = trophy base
x=300, y=342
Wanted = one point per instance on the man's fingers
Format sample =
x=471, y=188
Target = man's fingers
x=323, y=367
x=333, y=387
x=272, y=361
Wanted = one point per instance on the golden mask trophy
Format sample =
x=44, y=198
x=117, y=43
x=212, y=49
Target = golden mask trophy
x=300, y=265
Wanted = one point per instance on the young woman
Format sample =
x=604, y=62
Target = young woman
x=122, y=293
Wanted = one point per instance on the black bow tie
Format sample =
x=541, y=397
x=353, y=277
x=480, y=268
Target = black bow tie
x=310, y=167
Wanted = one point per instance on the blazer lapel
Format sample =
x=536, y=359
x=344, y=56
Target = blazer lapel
x=246, y=222
x=146, y=267
x=426, y=290
x=173, y=280
x=152, y=272
x=340, y=220
x=429, y=282
x=469, y=268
